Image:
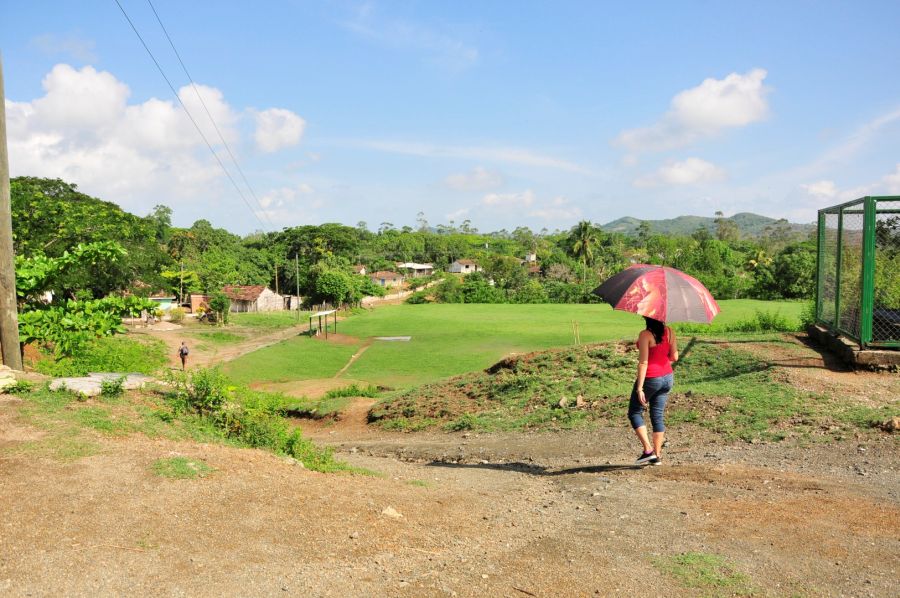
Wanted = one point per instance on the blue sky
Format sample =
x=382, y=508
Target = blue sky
x=504, y=113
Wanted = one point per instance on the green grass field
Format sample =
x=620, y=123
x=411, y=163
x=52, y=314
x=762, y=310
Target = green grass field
x=450, y=339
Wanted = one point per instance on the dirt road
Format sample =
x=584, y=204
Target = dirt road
x=550, y=514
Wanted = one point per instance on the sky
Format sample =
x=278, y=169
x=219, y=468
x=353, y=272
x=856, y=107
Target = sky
x=503, y=113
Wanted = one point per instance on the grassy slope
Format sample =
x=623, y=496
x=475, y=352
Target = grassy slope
x=732, y=393
x=451, y=339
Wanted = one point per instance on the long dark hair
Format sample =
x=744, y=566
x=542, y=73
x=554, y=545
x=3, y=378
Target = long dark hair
x=656, y=328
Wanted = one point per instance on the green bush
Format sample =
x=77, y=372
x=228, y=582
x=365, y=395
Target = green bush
x=176, y=315
x=418, y=298
x=353, y=390
x=202, y=391
x=112, y=387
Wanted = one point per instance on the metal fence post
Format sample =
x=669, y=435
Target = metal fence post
x=837, y=274
x=820, y=266
x=867, y=291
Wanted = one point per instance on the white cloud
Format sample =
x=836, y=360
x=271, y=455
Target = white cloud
x=692, y=171
x=509, y=200
x=558, y=210
x=703, y=111
x=478, y=179
x=290, y=204
x=823, y=189
x=820, y=191
x=277, y=128
x=508, y=155
x=84, y=130
x=892, y=182
x=71, y=46
x=456, y=215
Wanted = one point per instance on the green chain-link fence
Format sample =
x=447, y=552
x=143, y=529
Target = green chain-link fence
x=859, y=270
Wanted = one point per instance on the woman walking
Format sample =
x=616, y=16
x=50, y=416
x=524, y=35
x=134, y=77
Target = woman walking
x=657, y=351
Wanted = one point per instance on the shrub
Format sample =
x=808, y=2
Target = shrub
x=112, y=387
x=418, y=298
x=203, y=391
x=19, y=388
x=176, y=315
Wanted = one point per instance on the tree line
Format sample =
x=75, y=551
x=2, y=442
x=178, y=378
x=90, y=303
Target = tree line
x=51, y=217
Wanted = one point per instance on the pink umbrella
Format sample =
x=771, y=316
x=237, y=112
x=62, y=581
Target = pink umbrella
x=659, y=292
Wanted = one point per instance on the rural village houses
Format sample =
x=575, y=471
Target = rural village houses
x=386, y=279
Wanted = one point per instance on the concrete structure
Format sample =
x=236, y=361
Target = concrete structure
x=464, y=267
x=163, y=302
x=416, y=270
x=386, y=279
x=197, y=301
x=253, y=298
x=850, y=352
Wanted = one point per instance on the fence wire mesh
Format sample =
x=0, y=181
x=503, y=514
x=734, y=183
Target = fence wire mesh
x=859, y=270
x=851, y=270
x=828, y=269
x=886, y=307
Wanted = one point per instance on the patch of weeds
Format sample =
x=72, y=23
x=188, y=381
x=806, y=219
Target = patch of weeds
x=708, y=573
x=21, y=387
x=112, y=387
x=418, y=483
x=353, y=390
x=219, y=337
x=207, y=404
x=181, y=468
x=64, y=445
x=99, y=419
x=864, y=417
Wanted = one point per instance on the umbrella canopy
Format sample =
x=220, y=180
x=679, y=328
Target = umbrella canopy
x=661, y=293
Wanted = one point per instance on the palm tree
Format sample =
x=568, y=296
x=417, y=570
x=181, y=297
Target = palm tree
x=584, y=238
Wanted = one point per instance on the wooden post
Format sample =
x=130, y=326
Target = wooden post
x=297, y=280
x=9, y=316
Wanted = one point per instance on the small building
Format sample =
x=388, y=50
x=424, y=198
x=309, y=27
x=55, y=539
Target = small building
x=531, y=258
x=198, y=300
x=253, y=298
x=163, y=302
x=386, y=279
x=416, y=270
x=359, y=269
x=464, y=267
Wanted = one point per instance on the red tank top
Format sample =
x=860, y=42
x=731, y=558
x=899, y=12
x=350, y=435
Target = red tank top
x=658, y=363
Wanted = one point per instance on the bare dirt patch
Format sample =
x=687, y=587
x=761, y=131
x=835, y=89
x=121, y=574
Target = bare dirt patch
x=500, y=514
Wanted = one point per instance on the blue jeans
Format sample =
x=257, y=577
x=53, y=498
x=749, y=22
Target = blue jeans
x=656, y=391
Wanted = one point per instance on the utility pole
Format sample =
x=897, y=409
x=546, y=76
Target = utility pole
x=181, y=285
x=297, y=280
x=9, y=316
x=276, y=279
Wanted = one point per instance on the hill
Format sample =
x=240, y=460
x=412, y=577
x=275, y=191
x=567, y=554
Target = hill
x=749, y=225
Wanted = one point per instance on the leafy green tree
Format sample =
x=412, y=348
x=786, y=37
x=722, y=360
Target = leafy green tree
x=221, y=305
x=51, y=217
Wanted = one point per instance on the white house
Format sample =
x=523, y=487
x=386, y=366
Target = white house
x=386, y=279
x=416, y=270
x=464, y=267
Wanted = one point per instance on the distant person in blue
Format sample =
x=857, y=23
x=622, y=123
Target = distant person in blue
x=657, y=351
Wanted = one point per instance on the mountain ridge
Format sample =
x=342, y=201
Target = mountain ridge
x=748, y=224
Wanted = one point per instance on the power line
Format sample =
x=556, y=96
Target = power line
x=211, y=119
x=194, y=122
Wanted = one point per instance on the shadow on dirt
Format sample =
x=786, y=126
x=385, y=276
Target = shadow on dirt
x=537, y=470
